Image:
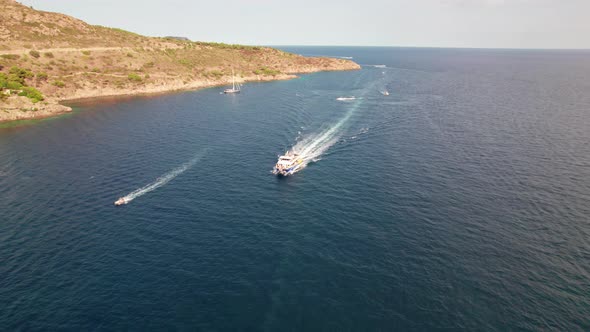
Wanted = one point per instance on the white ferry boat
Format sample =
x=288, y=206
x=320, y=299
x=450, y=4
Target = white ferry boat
x=288, y=164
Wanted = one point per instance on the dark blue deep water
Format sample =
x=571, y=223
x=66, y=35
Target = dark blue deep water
x=461, y=201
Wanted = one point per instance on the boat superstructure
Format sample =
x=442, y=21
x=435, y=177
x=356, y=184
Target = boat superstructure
x=235, y=88
x=288, y=164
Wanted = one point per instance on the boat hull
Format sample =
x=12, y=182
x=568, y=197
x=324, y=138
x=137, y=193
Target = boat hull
x=288, y=171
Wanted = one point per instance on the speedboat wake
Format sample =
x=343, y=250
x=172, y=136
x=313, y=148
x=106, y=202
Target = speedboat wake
x=162, y=180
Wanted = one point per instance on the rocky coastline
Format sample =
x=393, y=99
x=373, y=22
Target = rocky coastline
x=49, y=59
x=21, y=108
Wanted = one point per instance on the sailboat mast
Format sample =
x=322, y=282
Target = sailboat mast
x=233, y=79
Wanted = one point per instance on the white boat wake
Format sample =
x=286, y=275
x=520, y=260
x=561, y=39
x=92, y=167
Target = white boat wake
x=162, y=180
x=313, y=146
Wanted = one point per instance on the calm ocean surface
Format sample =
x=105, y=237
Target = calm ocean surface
x=461, y=201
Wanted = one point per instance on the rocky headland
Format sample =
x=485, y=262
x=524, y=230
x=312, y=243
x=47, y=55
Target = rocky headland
x=48, y=58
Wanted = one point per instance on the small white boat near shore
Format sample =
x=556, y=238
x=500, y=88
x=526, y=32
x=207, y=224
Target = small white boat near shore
x=346, y=98
x=235, y=88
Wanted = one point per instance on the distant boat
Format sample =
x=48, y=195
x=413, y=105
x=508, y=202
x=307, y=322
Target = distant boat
x=385, y=93
x=235, y=88
x=346, y=98
x=121, y=201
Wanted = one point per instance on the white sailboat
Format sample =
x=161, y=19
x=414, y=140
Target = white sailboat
x=235, y=88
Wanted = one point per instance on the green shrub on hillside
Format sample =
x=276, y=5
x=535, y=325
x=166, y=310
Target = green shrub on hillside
x=31, y=93
x=35, y=54
x=42, y=76
x=15, y=78
x=3, y=80
x=86, y=52
x=11, y=82
x=13, y=85
x=228, y=46
x=214, y=73
x=10, y=56
x=185, y=62
x=267, y=71
x=15, y=81
x=48, y=54
x=22, y=73
x=129, y=33
x=134, y=77
x=59, y=84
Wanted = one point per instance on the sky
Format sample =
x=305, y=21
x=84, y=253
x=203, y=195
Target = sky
x=423, y=23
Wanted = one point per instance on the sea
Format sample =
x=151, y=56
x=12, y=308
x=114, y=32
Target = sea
x=458, y=202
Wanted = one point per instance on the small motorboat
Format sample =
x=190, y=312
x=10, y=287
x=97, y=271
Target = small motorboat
x=288, y=164
x=385, y=93
x=346, y=98
x=121, y=201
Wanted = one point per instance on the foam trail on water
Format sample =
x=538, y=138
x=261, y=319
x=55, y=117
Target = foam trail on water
x=313, y=146
x=164, y=179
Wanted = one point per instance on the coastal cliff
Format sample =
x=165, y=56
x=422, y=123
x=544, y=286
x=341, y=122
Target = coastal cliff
x=47, y=58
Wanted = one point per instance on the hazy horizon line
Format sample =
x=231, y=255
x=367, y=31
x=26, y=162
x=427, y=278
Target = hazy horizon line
x=435, y=47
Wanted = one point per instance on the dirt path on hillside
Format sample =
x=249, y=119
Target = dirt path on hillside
x=117, y=75
x=74, y=49
x=67, y=49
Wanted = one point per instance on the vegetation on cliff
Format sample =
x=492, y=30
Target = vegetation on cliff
x=16, y=82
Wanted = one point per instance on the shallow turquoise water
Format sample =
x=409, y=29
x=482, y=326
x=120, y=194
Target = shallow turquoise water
x=458, y=202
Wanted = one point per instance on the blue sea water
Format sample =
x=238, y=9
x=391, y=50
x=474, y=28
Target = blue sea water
x=461, y=201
